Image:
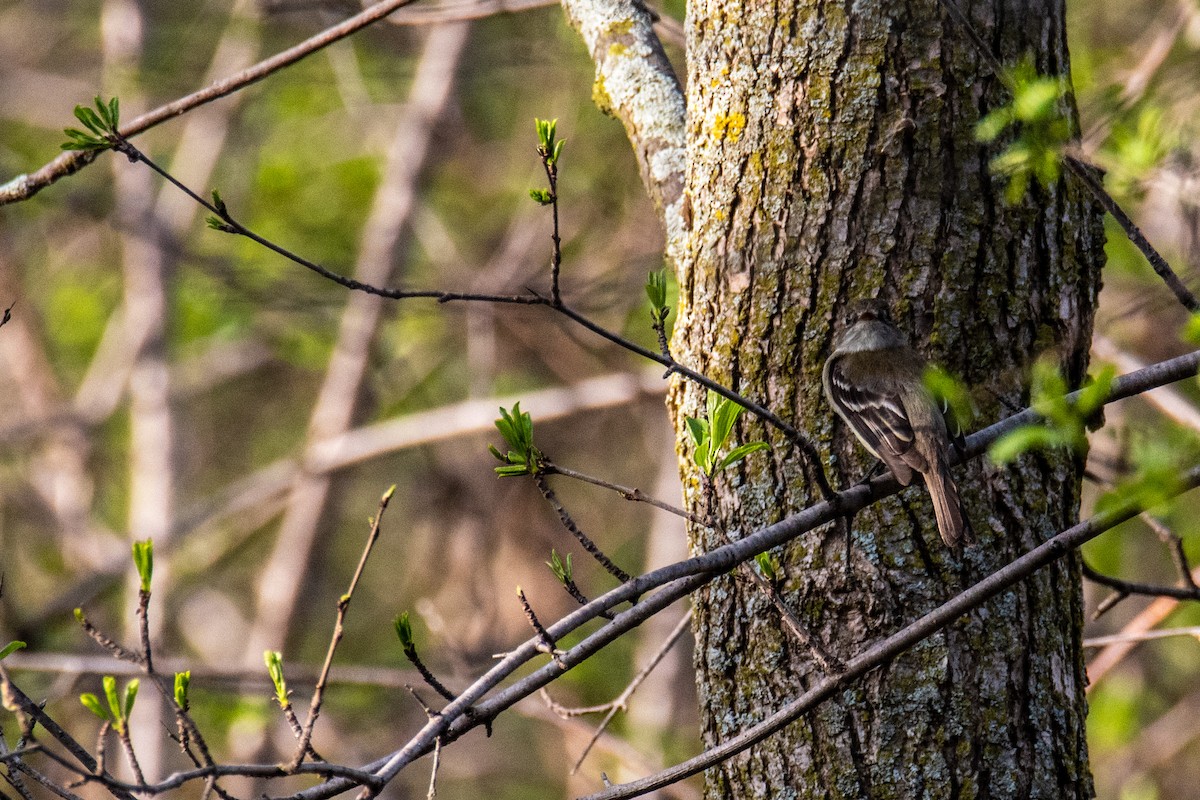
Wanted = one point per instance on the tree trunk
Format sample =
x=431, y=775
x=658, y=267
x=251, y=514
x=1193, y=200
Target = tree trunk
x=831, y=157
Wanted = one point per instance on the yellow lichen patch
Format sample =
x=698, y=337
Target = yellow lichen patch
x=617, y=49
x=601, y=97
x=729, y=126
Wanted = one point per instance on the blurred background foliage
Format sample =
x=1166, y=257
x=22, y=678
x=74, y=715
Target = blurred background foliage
x=247, y=341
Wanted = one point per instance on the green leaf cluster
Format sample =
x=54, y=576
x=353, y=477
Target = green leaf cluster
x=120, y=706
x=101, y=124
x=1036, y=112
x=404, y=632
x=768, y=566
x=1138, y=142
x=1158, y=463
x=711, y=434
x=522, y=457
x=549, y=147
x=1065, y=422
x=656, y=293
x=561, y=567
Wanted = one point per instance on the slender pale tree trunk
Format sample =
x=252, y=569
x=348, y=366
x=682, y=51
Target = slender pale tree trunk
x=831, y=157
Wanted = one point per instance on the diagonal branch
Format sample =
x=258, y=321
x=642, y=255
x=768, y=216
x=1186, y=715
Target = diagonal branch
x=26, y=186
x=681, y=578
x=883, y=652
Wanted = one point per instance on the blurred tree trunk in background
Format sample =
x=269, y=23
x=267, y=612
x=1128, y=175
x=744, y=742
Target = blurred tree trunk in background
x=831, y=157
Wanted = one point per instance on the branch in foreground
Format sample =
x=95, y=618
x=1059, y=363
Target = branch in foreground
x=681, y=578
x=886, y=650
x=24, y=187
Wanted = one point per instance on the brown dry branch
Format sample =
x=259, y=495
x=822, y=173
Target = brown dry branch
x=343, y=605
x=102, y=639
x=584, y=540
x=621, y=701
x=545, y=643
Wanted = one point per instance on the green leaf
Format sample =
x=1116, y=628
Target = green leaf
x=1093, y=395
x=1191, y=330
x=698, y=428
x=541, y=196
x=110, y=694
x=183, y=680
x=131, y=690
x=703, y=457
x=10, y=648
x=768, y=566
x=738, y=453
x=953, y=397
x=1016, y=442
x=274, y=661
x=722, y=417
x=991, y=126
x=556, y=151
x=90, y=120
x=92, y=704
x=1036, y=100
x=656, y=288
x=560, y=568
x=143, y=559
x=404, y=632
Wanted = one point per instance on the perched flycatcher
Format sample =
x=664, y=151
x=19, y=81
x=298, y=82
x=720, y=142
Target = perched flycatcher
x=874, y=381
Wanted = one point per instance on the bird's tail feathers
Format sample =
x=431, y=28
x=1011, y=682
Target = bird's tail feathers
x=947, y=507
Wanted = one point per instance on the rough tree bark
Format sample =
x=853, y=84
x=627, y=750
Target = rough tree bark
x=830, y=157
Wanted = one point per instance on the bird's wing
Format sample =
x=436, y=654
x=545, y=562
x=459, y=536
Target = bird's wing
x=877, y=418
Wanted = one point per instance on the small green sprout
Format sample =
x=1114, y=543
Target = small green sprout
x=711, y=434
x=404, y=633
x=1065, y=422
x=143, y=559
x=548, y=147
x=274, y=661
x=561, y=567
x=102, y=122
x=183, y=680
x=120, y=706
x=768, y=566
x=542, y=197
x=522, y=457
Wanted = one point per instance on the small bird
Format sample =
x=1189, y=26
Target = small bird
x=874, y=381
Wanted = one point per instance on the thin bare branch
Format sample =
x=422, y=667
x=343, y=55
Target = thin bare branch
x=343, y=606
x=26, y=186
